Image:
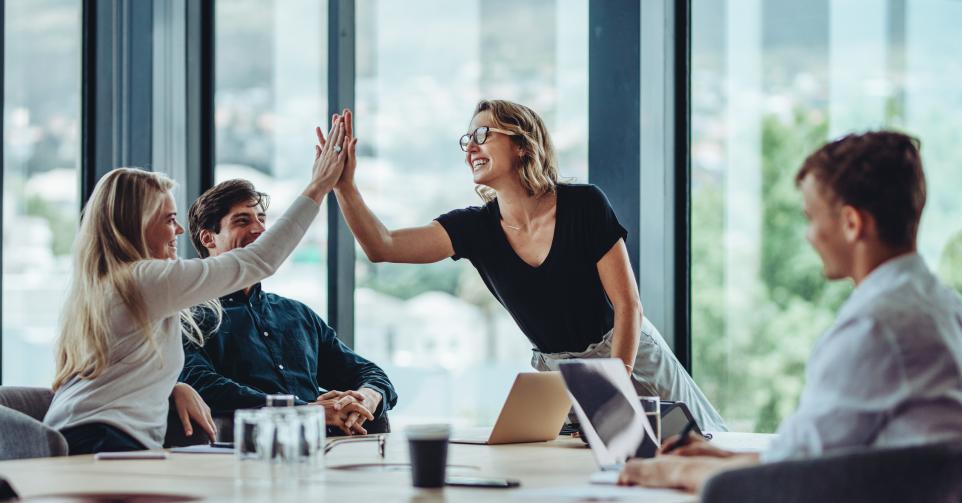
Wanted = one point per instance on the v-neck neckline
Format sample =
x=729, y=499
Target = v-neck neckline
x=554, y=234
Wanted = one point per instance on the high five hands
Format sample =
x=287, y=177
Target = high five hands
x=349, y=144
x=329, y=158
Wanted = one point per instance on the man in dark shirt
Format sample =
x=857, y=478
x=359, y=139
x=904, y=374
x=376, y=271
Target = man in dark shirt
x=267, y=344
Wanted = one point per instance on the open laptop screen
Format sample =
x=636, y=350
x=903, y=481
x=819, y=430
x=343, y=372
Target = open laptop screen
x=605, y=402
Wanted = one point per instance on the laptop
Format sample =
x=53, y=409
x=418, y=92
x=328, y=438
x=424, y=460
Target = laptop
x=609, y=412
x=534, y=411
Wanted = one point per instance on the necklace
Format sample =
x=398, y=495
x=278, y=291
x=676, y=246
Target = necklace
x=518, y=227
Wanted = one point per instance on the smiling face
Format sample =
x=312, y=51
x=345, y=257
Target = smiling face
x=495, y=160
x=832, y=229
x=241, y=226
x=162, y=232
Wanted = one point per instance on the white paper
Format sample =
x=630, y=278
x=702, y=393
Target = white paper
x=606, y=493
x=202, y=449
x=131, y=455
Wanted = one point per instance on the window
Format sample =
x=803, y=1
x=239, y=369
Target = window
x=270, y=92
x=770, y=82
x=41, y=186
x=451, y=350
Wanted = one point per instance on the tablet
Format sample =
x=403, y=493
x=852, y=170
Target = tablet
x=674, y=417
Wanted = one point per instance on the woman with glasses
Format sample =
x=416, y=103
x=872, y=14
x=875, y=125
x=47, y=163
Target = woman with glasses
x=552, y=253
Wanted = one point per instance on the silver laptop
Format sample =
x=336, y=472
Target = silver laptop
x=534, y=411
x=609, y=412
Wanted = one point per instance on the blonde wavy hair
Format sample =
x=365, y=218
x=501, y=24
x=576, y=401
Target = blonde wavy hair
x=111, y=239
x=538, y=167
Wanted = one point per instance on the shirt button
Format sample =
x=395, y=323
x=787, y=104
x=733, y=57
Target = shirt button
x=280, y=367
x=266, y=334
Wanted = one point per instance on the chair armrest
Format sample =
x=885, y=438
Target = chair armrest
x=22, y=436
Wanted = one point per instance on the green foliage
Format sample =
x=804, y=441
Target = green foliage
x=62, y=224
x=405, y=281
x=950, y=267
x=751, y=363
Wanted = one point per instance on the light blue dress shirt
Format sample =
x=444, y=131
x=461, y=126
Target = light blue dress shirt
x=889, y=371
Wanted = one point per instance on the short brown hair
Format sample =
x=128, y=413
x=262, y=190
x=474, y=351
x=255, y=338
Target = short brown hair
x=879, y=172
x=538, y=167
x=211, y=207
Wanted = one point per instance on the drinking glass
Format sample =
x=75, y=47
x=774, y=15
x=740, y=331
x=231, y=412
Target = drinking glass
x=651, y=406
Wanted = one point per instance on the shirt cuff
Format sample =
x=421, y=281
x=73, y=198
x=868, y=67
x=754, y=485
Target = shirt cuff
x=380, y=406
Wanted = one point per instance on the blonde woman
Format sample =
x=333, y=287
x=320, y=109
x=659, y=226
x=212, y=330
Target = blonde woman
x=119, y=352
x=553, y=254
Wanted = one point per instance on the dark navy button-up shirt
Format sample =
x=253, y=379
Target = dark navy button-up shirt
x=268, y=344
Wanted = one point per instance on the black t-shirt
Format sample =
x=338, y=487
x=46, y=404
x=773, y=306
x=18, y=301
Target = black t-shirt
x=561, y=304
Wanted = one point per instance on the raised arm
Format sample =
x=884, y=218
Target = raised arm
x=413, y=245
x=171, y=285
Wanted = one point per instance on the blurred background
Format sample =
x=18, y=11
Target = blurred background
x=769, y=82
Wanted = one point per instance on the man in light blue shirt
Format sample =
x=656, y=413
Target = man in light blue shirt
x=888, y=373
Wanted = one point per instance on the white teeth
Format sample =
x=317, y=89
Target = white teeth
x=480, y=162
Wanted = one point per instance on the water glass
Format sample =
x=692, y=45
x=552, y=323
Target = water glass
x=280, y=400
x=651, y=407
x=281, y=435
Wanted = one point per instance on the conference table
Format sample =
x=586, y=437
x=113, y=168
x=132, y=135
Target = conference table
x=353, y=472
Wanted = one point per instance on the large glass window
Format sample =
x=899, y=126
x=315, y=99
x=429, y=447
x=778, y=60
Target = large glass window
x=770, y=82
x=270, y=92
x=41, y=187
x=422, y=65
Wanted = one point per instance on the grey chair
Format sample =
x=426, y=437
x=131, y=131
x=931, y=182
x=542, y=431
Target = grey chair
x=22, y=432
x=928, y=473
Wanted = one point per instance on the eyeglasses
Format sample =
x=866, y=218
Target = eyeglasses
x=480, y=135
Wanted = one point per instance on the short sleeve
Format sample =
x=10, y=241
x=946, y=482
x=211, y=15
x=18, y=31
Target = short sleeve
x=463, y=227
x=604, y=229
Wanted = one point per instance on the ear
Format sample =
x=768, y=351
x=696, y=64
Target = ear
x=853, y=223
x=206, y=238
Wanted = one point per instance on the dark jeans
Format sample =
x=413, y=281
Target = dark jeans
x=98, y=437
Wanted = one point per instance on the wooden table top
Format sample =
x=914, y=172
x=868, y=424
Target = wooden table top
x=559, y=463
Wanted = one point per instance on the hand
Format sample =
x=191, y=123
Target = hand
x=328, y=161
x=340, y=406
x=695, y=446
x=663, y=471
x=688, y=473
x=191, y=406
x=368, y=397
x=350, y=165
x=372, y=398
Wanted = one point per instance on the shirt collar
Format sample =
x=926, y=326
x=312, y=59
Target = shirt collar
x=884, y=274
x=239, y=298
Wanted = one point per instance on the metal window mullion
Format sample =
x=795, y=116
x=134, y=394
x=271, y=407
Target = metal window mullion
x=117, y=91
x=614, y=91
x=199, y=81
x=681, y=78
x=340, y=246
x=2, y=164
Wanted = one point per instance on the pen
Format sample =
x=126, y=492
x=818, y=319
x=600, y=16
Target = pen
x=682, y=439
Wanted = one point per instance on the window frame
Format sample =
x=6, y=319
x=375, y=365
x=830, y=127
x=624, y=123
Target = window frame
x=651, y=147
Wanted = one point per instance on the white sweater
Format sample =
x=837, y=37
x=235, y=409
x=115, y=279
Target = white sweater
x=131, y=394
